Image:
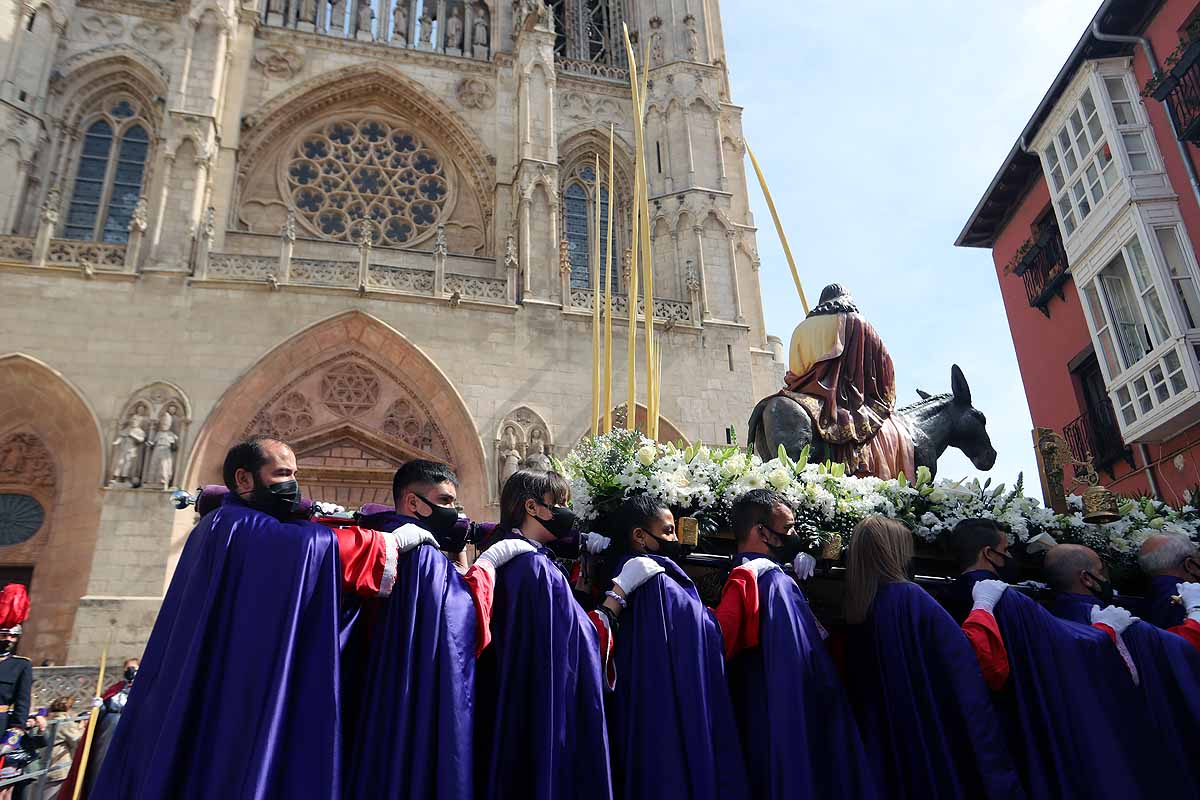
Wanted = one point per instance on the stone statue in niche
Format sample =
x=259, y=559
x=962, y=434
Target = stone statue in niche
x=400, y=22
x=127, y=451
x=480, y=35
x=308, y=11
x=275, y=7
x=366, y=16
x=161, y=468
x=537, y=458
x=657, y=54
x=454, y=29
x=337, y=16
x=510, y=455
x=426, y=23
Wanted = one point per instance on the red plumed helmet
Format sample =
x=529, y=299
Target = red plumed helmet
x=14, y=608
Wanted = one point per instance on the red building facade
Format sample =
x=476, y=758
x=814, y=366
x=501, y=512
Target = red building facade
x=1093, y=221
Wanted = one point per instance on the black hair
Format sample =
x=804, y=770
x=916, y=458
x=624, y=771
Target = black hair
x=637, y=511
x=755, y=507
x=972, y=535
x=249, y=455
x=420, y=470
x=529, y=484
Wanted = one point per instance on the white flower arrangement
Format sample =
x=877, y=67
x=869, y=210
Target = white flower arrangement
x=704, y=482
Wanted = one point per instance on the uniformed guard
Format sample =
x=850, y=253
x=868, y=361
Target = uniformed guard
x=16, y=672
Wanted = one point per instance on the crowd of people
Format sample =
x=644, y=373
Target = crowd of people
x=291, y=659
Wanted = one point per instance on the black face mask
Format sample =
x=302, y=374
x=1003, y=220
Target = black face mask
x=1103, y=590
x=666, y=549
x=130, y=674
x=561, y=522
x=1007, y=571
x=440, y=521
x=6, y=647
x=280, y=500
x=789, y=547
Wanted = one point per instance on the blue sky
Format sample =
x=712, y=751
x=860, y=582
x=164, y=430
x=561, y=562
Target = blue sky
x=878, y=125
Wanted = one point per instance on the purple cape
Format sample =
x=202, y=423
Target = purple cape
x=1157, y=608
x=669, y=717
x=1169, y=676
x=539, y=721
x=798, y=731
x=1073, y=718
x=414, y=724
x=925, y=713
x=237, y=695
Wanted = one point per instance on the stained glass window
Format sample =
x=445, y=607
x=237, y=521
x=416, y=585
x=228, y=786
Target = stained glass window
x=576, y=213
x=367, y=169
x=579, y=212
x=110, y=175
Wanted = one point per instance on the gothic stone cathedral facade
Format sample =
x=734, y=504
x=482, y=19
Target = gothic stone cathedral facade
x=364, y=225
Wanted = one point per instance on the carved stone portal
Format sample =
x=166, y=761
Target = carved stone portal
x=523, y=442
x=149, y=437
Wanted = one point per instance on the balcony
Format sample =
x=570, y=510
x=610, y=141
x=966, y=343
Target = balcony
x=1044, y=269
x=1094, y=435
x=1180, y=90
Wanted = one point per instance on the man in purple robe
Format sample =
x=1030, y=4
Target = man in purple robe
x=798, y=730
x=238, y=691
x=1065, y=695
x=666, y=671
x=1167, y=666
x=1169, y=560
x=539, y=723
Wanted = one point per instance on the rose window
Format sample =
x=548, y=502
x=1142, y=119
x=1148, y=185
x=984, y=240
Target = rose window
x=350, y=171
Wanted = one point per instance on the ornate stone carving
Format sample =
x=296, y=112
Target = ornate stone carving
x=481, y=35
x=439, y=242
x=155, y=36
x=366, y=15
x=400, y=22
x=564, y=257
x=454, y=29
x=150, y=432
x=49, y=210
x=350, y=389
x=693, y=37
x=160, y=472
x=141, y=214
x=24, y=460
x=523, y=440
x=103, y=26
x=279, y=61
x=510, y=252
x=408, y=423
x=127, y=450
x=657, y=55
x=475, y=93
x=426, y=23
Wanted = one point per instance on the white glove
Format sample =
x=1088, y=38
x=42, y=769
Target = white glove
x=1190, y=592
x=759, y=565
x=594, y=543
x=328, y=508
x=409, y=537
x=986, y=594
x=503, y=552
x=804, y=566
x=636, y=572
x=1114, y=617
x=97, y=702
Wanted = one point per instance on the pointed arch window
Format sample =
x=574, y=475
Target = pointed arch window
x=579, y=213
x=110, y=174
x=586, y=29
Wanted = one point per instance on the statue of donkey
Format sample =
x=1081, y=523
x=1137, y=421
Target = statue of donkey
x=936, y=422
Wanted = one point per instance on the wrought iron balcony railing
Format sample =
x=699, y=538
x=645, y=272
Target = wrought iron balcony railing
x=1096, y=436
x=1044, y=269
x=1180, y=90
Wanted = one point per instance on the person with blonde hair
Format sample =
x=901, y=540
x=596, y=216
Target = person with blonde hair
x=922, y=707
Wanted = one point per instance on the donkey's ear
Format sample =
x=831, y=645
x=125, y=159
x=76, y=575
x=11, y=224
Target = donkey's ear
x=923, y=395
x=958, y=385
